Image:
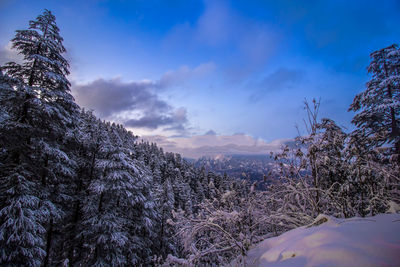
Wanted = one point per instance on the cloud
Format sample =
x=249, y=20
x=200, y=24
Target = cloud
x=8, y=54
x=184, y=73
x=242, y=43
x=132, y=103
x=214, y=27
x=221, y=25
x=174, y=120
x=278, y=80
x=212, y=145
x=107, y=97
x=246, y=44
x=137, y=104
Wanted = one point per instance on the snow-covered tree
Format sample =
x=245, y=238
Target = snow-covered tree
x=44, y=69
x=118, y=214
x=223, y=228
x=21, y=216
x=378, y=107
x=374, y=147
x=165, y=200
x=38, y=125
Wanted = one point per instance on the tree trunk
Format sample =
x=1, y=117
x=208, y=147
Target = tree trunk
x=48, y=243
x=92, y=167
x=75, y=220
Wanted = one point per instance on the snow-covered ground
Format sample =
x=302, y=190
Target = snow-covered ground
x=372, y=241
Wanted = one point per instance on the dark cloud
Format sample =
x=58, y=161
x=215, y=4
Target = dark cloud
x=134, y=104
x=172, y=120
x=280, y=79
x=150, y=122
x=107, y=97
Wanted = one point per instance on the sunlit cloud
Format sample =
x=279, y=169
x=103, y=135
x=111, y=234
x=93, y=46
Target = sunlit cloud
x=211, y=145
x=8, y=54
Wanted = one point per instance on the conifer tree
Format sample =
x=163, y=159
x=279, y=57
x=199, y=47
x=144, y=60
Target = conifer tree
x=378, y=107
x=21, y=216
x=165, y=204
x=39, y=124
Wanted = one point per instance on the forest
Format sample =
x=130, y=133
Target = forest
x=79, y=191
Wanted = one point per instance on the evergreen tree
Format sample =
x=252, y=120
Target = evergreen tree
x=374, y=147
x=165, y=204
x=38, y=125
x=90, y=137
x=21, y=216
x=378, y=117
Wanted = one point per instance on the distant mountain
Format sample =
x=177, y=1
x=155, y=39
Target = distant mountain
x=255, y=168
x=213, y=146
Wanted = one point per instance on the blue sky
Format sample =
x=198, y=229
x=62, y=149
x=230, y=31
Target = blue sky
x=218, y=72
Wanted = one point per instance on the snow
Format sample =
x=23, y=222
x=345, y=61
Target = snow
x=373, y=241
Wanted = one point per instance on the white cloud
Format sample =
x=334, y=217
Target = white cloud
x=184, y=73
x=8, y=54
x=214, y=27
x=211, y=145
x=220, y=27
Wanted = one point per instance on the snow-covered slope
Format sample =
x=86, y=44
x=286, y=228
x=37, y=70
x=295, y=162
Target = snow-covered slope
x=373, y=241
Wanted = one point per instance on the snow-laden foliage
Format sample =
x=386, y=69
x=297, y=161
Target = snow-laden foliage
x=39, y=110
x=378, y=107
x=332, y=172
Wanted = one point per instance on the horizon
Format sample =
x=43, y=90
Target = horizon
x=204, y=77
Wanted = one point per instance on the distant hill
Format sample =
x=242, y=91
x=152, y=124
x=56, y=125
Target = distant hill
x=255, y=168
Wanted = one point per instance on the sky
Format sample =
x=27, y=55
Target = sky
x=210, y=77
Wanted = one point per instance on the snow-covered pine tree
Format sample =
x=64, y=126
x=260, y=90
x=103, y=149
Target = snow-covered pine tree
x=165, y=200
x=38, y=125
x=44, y=68
x=378, y=107
x=374, y=147
x=21, y=216
x=118, y=213
x=90, y=136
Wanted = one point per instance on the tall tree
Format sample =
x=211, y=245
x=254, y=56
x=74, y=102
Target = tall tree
x=21, y=216
x=36, y=129
x=378, y=117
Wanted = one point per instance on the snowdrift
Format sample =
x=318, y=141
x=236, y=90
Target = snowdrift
x=373, y=241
